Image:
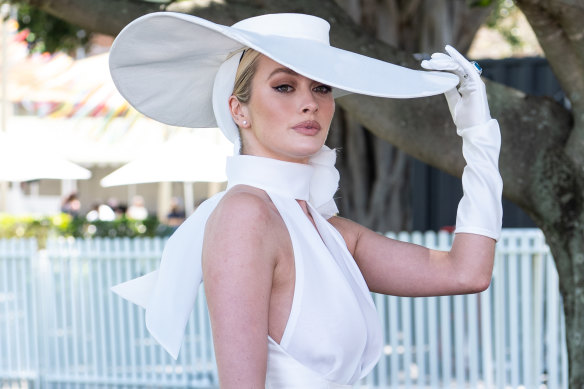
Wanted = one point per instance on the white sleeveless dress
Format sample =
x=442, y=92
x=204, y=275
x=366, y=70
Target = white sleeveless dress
x=333, y=336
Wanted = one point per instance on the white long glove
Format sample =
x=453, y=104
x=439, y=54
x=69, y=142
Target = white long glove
x=480, y=210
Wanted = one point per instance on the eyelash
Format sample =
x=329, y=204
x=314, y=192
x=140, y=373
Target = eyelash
x=327, y=89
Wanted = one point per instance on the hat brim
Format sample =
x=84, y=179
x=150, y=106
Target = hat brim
x=165, y=63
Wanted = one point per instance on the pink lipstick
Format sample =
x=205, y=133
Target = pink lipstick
x=309, y=127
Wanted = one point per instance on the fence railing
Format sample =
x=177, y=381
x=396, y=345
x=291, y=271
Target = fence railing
x=60, y=326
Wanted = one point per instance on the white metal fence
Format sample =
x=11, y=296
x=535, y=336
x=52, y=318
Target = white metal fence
x=60, y=326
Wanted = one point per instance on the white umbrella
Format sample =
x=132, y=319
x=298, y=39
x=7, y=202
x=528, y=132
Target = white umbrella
x=22, y=160
x=185, y=158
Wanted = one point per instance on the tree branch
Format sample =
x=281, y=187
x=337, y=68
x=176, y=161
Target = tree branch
x=435, y=141
x=559, y=31
x=104, y=16
x=558, y=26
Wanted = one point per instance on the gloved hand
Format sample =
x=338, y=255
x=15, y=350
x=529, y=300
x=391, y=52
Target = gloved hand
x=480, y=210
x=468, y=105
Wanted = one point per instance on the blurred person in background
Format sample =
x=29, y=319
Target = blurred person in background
x=176, y=215
x=71, y=205
x=137, y=210
x=100, y=211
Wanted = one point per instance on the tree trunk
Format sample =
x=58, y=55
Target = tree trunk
x=559, y=213
x=567, y=248
x=559, y=193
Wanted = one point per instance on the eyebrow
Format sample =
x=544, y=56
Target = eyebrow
x=282, y=70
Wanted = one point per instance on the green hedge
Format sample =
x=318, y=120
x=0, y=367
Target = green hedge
x=64, y=225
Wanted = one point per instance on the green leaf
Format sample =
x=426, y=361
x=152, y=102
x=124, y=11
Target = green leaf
x=47, y=33
x=479, y=3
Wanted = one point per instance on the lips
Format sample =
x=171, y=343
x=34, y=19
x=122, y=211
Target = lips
x=309, y=127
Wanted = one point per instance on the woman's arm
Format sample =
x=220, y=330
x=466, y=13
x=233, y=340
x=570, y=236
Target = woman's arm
x=409, y=270
x=239, y=258
x=405, y=269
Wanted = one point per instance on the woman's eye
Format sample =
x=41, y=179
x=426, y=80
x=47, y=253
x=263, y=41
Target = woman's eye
x=283, y=88
x=324, y=89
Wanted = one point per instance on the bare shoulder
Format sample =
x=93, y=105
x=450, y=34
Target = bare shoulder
x=244, y=206
x=244, y=221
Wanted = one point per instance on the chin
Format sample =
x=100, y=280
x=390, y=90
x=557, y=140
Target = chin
x=298, y=151
x=307, y=151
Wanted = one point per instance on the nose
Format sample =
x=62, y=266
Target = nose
x=311, y=107
x=309, y=103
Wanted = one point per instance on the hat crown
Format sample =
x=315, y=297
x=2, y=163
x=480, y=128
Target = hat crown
x=288, y=25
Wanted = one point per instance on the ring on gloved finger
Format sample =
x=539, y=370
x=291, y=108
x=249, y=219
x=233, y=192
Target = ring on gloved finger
x=477, y=67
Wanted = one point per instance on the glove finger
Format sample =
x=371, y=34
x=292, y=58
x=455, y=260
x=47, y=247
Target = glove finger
x=467, y=67
x=432, y=65
x=455, y=55
x=445, y=65
x=452, y=98
x=443, y=60
x=428, y=65
x=440, y=56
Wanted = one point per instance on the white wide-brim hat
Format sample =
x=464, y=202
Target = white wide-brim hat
x=179, y=69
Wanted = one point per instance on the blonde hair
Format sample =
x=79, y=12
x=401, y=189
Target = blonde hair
x=244, y=75
x=242, y=86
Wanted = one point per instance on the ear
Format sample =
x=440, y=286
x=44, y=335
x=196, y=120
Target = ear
x=238, y=112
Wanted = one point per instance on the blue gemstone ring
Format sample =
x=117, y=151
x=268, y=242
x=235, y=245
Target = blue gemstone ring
x=477, y=67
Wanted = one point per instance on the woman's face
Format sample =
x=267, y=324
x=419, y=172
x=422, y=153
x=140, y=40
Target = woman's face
x=288, y=115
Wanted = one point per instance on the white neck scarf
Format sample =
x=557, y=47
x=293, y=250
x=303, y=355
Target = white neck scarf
x=168, y=294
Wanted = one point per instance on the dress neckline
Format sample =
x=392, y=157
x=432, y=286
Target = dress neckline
x=286, y=179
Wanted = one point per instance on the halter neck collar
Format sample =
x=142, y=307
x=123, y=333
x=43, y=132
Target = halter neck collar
x=315, y=182
x=287, y=179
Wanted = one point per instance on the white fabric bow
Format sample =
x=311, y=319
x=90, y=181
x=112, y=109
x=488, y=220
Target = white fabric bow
x=169, y=293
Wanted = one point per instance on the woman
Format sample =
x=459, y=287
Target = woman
x=287, y=282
